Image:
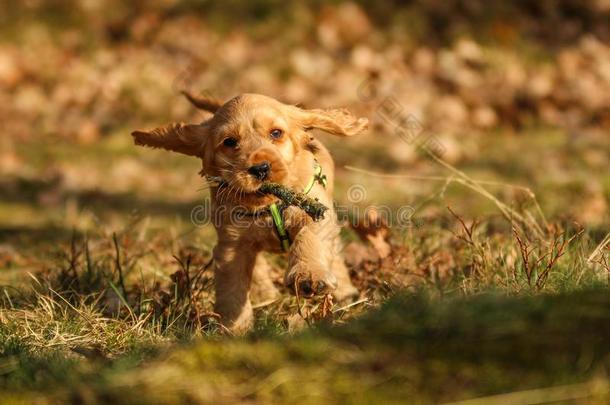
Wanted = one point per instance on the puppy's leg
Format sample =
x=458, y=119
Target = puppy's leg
x=309, y=260
x=345, y=291
x=262, y=289
x=233, y=274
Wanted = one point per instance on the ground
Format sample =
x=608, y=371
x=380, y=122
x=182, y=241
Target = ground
x=488, y=151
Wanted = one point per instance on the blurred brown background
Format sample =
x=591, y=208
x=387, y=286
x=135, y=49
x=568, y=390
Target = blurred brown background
x=516, y=92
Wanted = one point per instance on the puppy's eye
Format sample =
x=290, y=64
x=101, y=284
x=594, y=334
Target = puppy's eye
x=276, y=133
x=230, y=142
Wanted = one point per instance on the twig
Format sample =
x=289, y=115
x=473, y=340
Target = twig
x=525, y=251
x=312, y=207
x=547, y=261
x=469, y=230
x=556, y=251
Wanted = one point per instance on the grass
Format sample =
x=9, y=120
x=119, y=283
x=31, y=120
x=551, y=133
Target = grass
x=412, y=347
x=106, y=315
x=114, y=305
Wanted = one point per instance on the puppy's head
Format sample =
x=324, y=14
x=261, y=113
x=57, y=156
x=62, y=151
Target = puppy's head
x=251, y=139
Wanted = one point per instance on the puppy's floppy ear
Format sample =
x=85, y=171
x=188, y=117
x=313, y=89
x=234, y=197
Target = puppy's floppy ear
x=203, y=102
x=182, y=138
x=336, y=121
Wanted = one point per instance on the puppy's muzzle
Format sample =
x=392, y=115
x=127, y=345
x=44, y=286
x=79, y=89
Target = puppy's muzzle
x=260, y=171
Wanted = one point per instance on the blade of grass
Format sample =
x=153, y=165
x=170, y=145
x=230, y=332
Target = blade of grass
x=123, y=300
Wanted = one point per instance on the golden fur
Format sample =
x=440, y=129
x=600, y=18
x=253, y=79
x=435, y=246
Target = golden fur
x=247, y=131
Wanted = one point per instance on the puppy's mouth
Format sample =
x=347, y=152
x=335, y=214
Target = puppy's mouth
x=256, y=187
x=243, y=190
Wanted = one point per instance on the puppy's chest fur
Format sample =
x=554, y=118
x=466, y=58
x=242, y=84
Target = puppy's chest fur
x=260, y=231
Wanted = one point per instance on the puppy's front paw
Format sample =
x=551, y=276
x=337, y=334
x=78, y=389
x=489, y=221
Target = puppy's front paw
x=310, y=280
x=346, y=294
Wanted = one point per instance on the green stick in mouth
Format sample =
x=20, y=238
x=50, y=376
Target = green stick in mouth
x=311, y=206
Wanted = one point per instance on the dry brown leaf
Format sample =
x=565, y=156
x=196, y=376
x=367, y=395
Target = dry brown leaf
x=373, y=227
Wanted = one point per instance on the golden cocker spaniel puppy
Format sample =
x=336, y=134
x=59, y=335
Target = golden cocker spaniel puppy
x=252, y=139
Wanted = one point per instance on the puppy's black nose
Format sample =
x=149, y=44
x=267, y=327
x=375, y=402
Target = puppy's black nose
x=260, y=171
